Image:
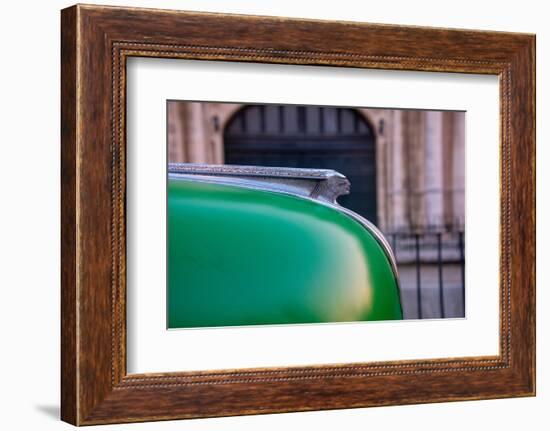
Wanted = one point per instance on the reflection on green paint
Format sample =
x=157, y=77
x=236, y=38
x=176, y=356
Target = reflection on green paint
x=240, y=256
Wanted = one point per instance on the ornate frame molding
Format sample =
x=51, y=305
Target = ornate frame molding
x=96, y=41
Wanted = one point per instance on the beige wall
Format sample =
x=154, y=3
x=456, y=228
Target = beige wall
x=419, y=158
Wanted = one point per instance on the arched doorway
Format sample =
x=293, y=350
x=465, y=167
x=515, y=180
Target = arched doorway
x=308, y=137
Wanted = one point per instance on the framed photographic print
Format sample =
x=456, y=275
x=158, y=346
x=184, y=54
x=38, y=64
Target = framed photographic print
x=264, y=215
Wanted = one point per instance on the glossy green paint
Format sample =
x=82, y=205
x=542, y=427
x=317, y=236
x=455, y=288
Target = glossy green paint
x=239, y=256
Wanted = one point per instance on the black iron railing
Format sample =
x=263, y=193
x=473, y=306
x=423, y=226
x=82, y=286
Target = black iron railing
x=431, y=270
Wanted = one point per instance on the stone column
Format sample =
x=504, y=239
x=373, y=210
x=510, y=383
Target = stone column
x=397, y=195
x=433, y=168
x=195, y=136
x=414, y=135
x=380, y=121
x=176, y=124
x=458, y=167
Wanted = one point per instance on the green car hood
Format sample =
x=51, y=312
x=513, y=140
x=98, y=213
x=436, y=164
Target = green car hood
x=242, y=255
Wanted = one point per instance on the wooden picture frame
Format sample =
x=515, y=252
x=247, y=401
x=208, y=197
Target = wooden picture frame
x=95, y=43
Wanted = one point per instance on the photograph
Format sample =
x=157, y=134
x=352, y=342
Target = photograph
x=267, y=212
x=284, y=214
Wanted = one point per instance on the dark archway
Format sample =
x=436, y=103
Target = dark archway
x=308, y=137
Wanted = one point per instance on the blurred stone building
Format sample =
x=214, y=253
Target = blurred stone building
x=406, y=167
